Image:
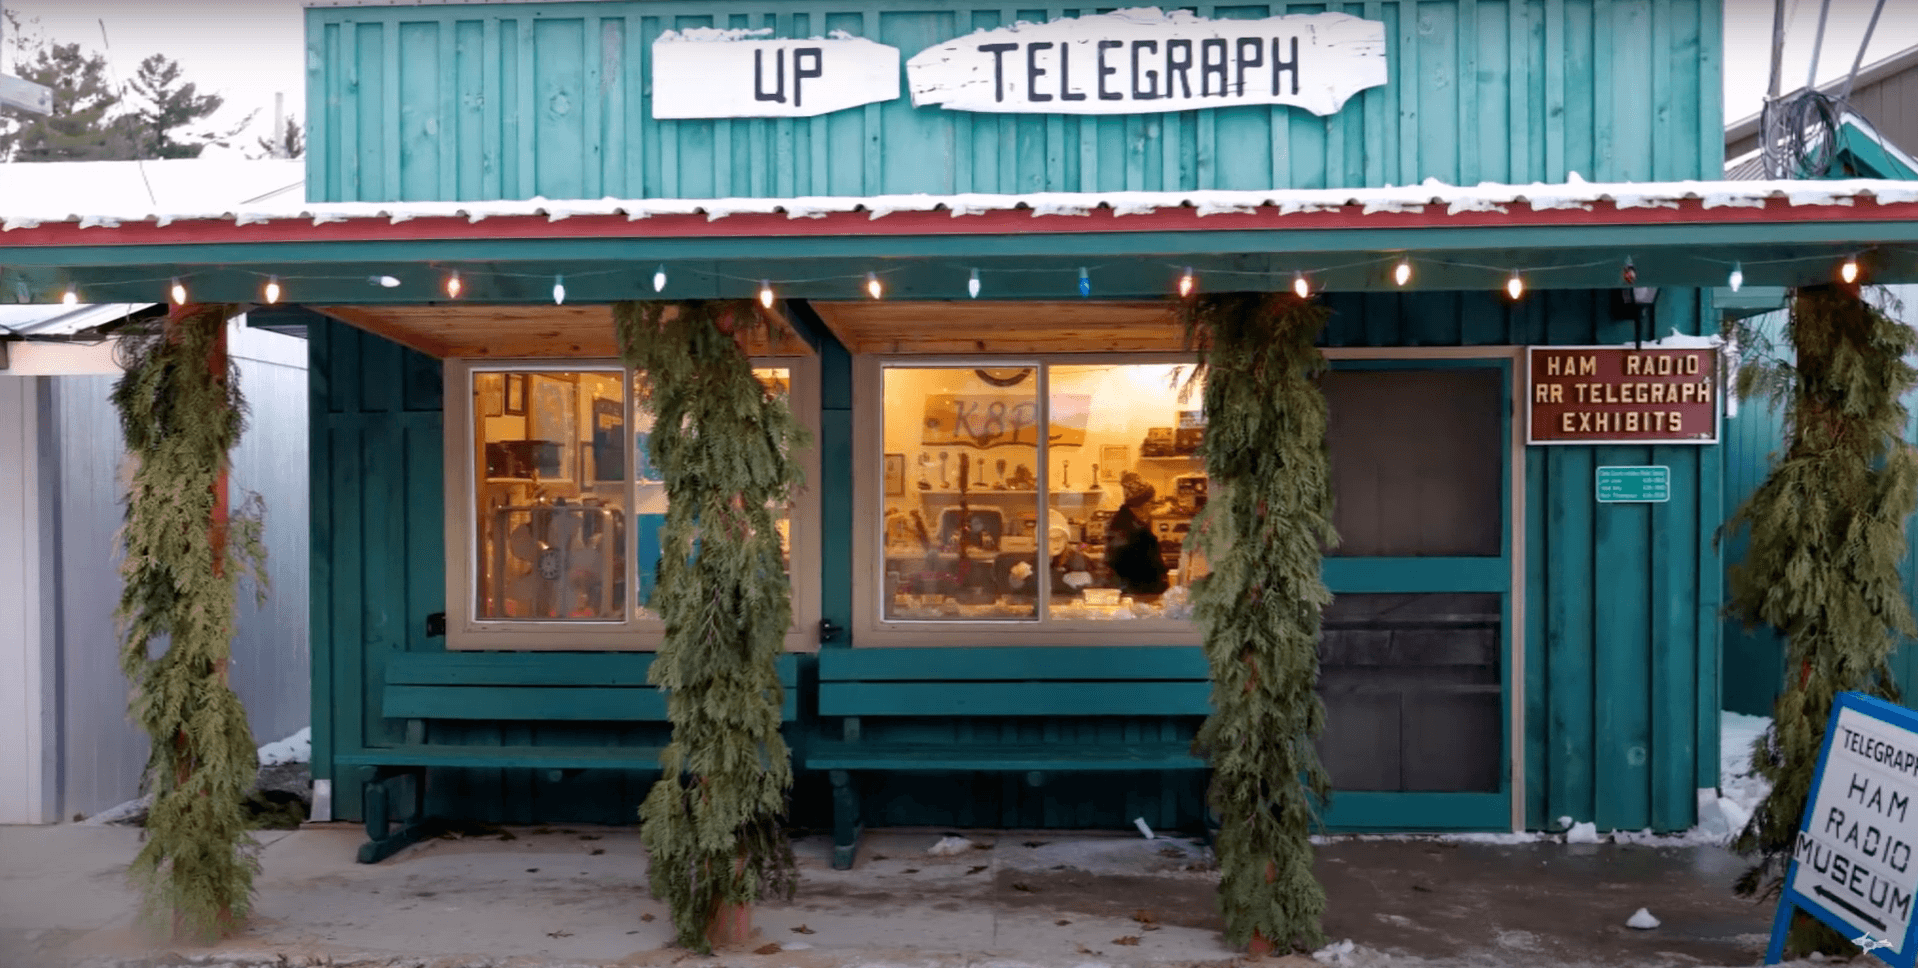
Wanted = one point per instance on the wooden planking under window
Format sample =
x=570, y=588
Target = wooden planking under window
x=966, y=328
x=583, y=331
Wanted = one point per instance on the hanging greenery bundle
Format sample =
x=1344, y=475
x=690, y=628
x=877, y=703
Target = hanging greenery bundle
x=724, y=443
x=1827, y=530
x=1263, y=531
x=181, y=413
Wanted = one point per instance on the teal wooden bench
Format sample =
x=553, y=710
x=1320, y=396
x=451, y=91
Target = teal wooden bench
x=519, y=687
x=1007, y=683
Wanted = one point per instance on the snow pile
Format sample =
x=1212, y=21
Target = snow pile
x=949, y=847
x=1642, y=920
x=297, y=748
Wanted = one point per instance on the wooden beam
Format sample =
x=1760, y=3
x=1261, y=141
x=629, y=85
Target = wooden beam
x=583, y=331
x=1003, y=327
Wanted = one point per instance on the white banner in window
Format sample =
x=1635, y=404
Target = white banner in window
x=711, y=73
x=1145, y=60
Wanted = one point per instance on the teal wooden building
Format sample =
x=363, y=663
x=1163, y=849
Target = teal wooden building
x=971, y=242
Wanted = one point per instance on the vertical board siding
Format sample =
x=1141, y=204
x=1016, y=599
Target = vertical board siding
x=514, y=100
x=29, y=704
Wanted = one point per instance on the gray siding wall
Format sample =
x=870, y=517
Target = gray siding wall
x=101, y=751
x=29, y=622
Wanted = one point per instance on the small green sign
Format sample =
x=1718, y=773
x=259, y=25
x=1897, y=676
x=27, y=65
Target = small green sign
x=1638, y=484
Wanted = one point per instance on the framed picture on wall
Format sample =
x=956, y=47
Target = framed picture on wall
x=895, y=474
x=515, y=394
x=1113, y=459
x=553, y=419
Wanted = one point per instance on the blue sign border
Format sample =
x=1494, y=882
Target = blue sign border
x=1788, y=899
x=1598, y=483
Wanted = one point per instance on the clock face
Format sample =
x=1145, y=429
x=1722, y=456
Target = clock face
x=1005, y=376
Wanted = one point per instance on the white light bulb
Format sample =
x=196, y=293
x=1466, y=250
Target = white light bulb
x=766, y=293
x=872, y=285
x=387, y=281
x=179, y=293
x=559, y=290
x=1403, y=273
x=71, y=298
x=1187, y=283
x=1849, y=271
x=272, y=291
x=453, y=285
x=659, y=278
x=1737, y=278
x=1300, y=286
x=1515, y=287
x=972, y=285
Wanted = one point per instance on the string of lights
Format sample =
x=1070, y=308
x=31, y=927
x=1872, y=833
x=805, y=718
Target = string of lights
x=1403, y=267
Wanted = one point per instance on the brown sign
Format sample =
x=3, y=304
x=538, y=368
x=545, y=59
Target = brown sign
x=1616, y=394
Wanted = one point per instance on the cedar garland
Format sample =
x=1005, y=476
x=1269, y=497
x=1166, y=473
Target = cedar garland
x=181, y=413
x=1263, y=531
x=1827, y=532
x=724, y=443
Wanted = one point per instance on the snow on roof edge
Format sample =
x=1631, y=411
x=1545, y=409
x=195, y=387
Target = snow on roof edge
x=1575, y=192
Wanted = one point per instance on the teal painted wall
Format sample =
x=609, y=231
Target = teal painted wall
x=1620, y=666
x=490, y=101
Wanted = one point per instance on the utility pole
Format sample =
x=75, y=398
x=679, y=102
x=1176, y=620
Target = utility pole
x=17, y=92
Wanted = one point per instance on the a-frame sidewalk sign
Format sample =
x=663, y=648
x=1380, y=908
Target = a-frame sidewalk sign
x=1852, y=867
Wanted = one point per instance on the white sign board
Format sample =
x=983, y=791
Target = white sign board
x=711, y=73
x=1145, y=60
x=1855, y=852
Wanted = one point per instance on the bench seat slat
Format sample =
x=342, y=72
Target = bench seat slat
x=1015, y=699
x=841, y=755
x=989, y=663
x=505, y=757
x=571, y=703
x=548, y=703
x=536, y=668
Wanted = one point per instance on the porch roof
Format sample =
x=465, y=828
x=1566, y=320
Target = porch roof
x=1574, y=235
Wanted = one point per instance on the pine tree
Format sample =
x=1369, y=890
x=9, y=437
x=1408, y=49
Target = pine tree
x=167, y=106
x=181, y=413
x=289, y=142
x=1827, y=530
x=84, y=125
x=1269, y=516
x=724, y=443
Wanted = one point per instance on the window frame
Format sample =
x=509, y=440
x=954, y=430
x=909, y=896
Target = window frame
x=869, y=626
x=465, y=633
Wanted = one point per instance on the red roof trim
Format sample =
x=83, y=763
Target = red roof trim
x=1023, y=222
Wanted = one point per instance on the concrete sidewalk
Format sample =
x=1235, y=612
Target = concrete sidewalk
x=577, y=895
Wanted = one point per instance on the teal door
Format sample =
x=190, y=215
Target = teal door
x=1413, y=658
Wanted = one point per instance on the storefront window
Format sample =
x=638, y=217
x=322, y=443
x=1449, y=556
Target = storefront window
x=985, y=519
x=569, y=506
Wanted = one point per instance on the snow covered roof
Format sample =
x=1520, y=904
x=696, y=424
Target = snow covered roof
x=146, y=188
x=41, y=321
x=1575, y=193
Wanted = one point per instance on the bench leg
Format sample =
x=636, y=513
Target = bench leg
x=846, y=824
x=385, y=795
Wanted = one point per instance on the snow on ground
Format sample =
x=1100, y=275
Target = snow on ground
x=1721, y=813
x=297, y=748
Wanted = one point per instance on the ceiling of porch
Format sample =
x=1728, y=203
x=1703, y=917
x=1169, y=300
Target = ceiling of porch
x=1001, y=327
x=512, y=332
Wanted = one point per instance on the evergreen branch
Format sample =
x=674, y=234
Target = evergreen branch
x=181, y=416
x=1269, y=516
x=1827, y=534
x=724, y=444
